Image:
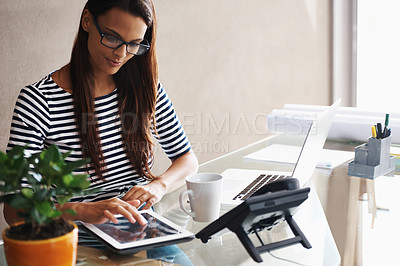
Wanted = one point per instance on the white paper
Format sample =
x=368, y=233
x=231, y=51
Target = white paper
x=280, y=153
x=350, y=123
x=395, y=150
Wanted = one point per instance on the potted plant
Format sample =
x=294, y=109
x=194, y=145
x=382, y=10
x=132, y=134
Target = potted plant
x=37, y=187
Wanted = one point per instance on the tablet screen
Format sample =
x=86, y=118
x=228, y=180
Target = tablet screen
x=125, y=237
x=125, y=232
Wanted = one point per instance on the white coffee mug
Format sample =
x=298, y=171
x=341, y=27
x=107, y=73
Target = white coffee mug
x=204, y=192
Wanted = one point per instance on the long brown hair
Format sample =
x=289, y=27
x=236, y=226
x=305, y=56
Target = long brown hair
x=136, y=81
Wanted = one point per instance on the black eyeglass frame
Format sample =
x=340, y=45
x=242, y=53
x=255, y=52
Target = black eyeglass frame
x=145, y=46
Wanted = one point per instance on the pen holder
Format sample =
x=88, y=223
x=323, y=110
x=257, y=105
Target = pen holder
x=372, y=159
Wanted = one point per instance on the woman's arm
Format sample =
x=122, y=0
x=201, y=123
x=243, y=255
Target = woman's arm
x=91, y=212
x=99, y=212
x=172, y=179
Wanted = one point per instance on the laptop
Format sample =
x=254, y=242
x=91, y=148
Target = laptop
x=240, y=184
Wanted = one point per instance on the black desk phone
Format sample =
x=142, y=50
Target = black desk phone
x=271, y=204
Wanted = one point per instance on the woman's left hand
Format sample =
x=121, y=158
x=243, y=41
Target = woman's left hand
x=149, y=194
x=172, y=179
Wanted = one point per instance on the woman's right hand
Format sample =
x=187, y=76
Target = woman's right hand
x=99, y=212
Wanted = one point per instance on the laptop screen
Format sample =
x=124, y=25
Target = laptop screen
x=313, y=144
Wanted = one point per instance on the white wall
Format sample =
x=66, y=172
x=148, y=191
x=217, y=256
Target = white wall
x=225, y=64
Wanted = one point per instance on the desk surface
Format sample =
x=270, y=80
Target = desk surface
x=347, y=219
x=227, y=250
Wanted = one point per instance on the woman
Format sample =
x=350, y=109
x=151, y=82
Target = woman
x=105, y=105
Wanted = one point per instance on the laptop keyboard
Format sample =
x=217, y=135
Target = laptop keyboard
x=257, y=183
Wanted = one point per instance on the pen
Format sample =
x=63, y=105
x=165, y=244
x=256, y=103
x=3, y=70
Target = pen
x=373, y=129
x=385, y=130
x=379, y=130
x=387, y=120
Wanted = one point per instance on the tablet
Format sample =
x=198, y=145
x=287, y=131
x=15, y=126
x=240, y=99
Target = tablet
x=128, y=238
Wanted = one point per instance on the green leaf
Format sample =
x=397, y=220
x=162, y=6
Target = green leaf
x=42, y=195
x=45, y=156
x=20, y=202
x=32, y=180
x=67, y=154
x=56, y=214
x=3, y=157
x=34, y=159
x=70, y=166
x=7, y=188
x=55, y=154
x=27, y=192
x=70, y=211
x=16, y=152
x=44, y=208
x=80, y=181
x=36, y=216
x=51, y=154
x=63, y=199
x=54, y=166
x=68, y=179
x=18, y=163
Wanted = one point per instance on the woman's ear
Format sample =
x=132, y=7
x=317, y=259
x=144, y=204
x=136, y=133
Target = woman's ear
x=86, y=20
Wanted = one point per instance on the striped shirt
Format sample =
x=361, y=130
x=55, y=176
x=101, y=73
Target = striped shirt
x=44, y=115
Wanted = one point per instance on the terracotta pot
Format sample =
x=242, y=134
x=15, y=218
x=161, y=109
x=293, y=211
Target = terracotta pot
x=60, y=250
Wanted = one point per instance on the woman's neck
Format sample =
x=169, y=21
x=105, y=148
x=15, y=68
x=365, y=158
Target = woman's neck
x=103, y=84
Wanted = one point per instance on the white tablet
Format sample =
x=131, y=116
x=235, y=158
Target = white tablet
x=128, y=238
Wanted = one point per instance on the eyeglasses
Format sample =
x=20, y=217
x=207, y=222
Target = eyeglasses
x=114, y=42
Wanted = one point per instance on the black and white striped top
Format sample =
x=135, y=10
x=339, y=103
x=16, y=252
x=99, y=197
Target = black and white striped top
x=43, y=115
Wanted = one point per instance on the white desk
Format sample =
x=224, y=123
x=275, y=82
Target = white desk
x=227, y=249
x=348, y=203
